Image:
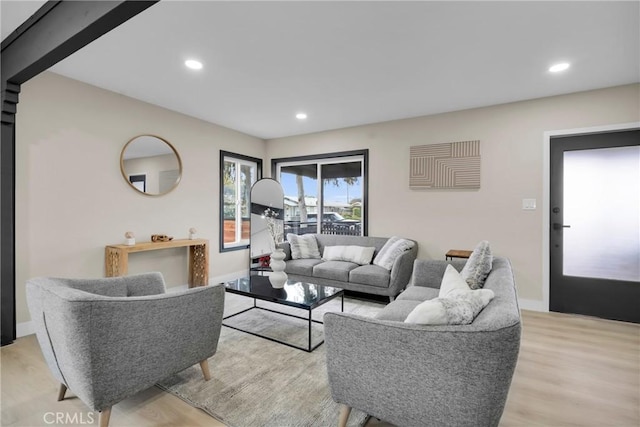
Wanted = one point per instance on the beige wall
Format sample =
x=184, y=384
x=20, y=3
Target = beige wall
x=71, y=199
x=512, y=138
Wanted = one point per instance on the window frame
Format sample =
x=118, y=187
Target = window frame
x=241, y=158
x=324, y=159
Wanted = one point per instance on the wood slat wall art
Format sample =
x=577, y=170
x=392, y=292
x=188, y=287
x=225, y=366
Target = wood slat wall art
x=451, y=165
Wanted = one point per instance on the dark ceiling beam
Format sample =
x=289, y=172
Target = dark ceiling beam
x=55, y=31
x=59, y=29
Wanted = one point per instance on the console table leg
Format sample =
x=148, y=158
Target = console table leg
x=198, y=265
x=116, y=262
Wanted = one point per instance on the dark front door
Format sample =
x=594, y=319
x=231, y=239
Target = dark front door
x=595, y=225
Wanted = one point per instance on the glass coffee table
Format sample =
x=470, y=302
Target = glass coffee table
x=306, y=296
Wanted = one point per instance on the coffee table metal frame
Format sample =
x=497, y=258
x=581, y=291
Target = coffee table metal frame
x=309, y=308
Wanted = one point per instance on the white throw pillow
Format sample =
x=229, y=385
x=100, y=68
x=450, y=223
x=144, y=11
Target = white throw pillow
x=357, y=254
x=430, y=312
x=456, y=304
x=459, y=309
x=303, y=247
x=392, y=249
x=478, y=267
x=452, y=282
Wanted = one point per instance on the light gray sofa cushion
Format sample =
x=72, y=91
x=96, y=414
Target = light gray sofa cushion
x=334, y=270
x=418, y=293
x=303, y=267
x=373, y=275
x=398, y=310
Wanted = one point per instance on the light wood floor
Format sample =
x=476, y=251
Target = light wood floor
x=572, y=371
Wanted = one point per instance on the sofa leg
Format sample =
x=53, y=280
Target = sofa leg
x=204, y=365
x=105, y=414
x=344, y=415
x=61, y=392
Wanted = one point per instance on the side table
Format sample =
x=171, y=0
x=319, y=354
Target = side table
x=457, y=253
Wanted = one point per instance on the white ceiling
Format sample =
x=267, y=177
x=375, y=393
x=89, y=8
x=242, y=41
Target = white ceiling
x=351, y=63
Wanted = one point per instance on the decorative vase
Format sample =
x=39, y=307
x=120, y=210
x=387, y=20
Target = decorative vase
x=193, y=233
x=130, y=241
x=278, y=277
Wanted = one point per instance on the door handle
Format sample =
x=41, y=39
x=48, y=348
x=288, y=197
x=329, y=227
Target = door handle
x=557, y=226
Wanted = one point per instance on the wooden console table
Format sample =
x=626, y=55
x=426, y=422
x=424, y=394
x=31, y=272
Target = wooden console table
x=116, y=259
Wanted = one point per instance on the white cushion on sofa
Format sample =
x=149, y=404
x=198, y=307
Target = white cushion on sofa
x=392, y=249
x=460, y=309
x=452, y=281
x=457, y=307
x=303, y=247
x=358, y=254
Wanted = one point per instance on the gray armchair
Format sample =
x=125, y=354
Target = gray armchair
x=107, y=339
x=421, y=375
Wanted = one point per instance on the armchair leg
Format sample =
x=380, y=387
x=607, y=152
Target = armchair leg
x=61, y=392
x=204, y=365
x=345, y=411
x=105, y=414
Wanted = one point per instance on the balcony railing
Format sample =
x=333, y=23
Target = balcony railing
x=328, y=227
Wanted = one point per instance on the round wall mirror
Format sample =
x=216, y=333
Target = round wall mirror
x=150, y=165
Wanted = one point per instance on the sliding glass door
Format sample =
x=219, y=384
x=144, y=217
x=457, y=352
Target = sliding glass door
x=324, y=194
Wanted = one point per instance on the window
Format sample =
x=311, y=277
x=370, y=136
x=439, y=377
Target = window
x=324, y=194
x=237, y=174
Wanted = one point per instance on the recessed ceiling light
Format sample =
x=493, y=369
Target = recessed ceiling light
x=193, y=64
x=556, y=68
x=301, y=116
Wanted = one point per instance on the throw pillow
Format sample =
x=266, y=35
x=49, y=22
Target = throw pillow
x=458, y=309
x=452, y=282
x=356, y=254
x=303, y=247
x=478, y=267
x=391, y=250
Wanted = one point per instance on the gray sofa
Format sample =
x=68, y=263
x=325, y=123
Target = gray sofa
x=107, y=339
x=411, y=374
x=371, y=279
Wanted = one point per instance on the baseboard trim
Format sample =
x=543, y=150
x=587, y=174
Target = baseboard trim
x=532, y=305
x=25, y=328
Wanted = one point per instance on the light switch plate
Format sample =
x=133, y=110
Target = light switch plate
x=529, y=204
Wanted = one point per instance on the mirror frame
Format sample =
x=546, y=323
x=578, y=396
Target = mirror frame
x=126, y=177
x=257, y=210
